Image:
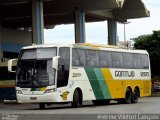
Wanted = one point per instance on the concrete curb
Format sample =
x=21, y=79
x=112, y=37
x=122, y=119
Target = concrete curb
x=10, y=102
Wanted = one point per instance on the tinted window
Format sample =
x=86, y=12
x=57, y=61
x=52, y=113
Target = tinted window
x=127, y=60
x=64, y=57
x=111, y=59
x=136, y=61
x=117, y=60
x=81, y=55
x=144, y=61
x=92, y=58
x=63, y=64
x=105, y=59
x=75, y=58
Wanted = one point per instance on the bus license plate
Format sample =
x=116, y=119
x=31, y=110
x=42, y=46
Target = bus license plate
x=33, y=98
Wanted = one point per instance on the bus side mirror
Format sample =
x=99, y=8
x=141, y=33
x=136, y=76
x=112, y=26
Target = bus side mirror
x=11, y=63
x=55, y=62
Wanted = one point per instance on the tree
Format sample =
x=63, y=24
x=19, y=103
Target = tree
x=151, y=43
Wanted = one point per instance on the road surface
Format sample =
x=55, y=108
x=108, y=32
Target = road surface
x=146, y=105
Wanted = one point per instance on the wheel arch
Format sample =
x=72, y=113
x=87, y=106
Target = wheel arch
x=129, y=87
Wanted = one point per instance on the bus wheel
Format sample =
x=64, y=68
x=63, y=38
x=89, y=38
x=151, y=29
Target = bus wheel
x=128, y=96
x=135, y=96
x=41, y=105
x=75, y=101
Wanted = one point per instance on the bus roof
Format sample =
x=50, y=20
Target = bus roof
x=87, y=46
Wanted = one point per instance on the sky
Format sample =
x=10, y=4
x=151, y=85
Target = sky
x=97, y=32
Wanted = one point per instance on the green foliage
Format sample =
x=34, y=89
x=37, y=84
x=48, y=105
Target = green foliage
x=151, y=43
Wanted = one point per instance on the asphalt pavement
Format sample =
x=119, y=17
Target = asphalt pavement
x=149, y=106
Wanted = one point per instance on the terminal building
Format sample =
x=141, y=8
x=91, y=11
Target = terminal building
x=22, y=23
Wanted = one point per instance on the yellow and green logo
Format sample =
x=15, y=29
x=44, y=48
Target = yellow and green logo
x=64, y=95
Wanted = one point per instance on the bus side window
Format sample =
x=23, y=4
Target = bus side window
x=105, y=59
x=82, y=57
x=117, y=60
x=92, y=58
x=127, y=60
x=144, y=61
x=63, y=63
x=136, y=61
x=75, y=58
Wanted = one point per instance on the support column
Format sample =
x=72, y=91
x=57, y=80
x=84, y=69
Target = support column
x=37, y=22
x=80, y=36
x=112, y=32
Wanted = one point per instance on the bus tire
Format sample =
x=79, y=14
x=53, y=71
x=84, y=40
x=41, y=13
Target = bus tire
x=75, y=101
x=128, y=96
x=135, y=96
x=42, y=105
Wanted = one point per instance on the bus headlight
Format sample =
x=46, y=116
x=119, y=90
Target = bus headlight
x=50, y=90
x=19, y=92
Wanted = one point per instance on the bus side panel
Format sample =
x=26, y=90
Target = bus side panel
x=143, y=85
x=98, y=83
x=146, y=85
x=79, y=78
x=115, y=87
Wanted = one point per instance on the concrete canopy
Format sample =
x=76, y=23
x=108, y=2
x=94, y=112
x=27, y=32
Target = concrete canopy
x=128, y=9
x=132, y=9
x=18, y=13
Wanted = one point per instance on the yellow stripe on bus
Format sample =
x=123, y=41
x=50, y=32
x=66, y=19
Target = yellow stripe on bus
x=111, y=83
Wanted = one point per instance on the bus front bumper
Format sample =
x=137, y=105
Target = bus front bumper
x=44, y=98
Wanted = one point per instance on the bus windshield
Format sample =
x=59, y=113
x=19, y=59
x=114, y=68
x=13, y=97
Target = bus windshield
x=34, y=68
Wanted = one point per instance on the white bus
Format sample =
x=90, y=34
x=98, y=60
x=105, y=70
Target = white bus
x=75, y=73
